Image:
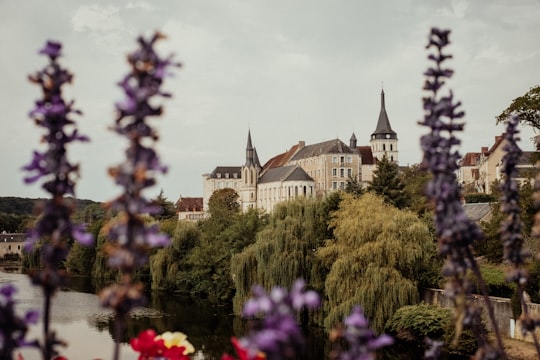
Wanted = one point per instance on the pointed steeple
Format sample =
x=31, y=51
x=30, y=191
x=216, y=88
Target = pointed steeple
x=249, y=151
x=383, y=124
x=353, y=141
x=256, y=161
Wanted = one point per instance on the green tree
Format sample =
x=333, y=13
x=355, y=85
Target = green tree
x=285, y=249
x=167, y=210
x=527, y=107
x=354, y=186
x=375, y=261
x=387, y=183
x=414, y=179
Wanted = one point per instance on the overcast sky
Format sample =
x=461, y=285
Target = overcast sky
x=289, y=70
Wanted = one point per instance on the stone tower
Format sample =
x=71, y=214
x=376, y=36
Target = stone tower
x=384, y=140
x=250, y=175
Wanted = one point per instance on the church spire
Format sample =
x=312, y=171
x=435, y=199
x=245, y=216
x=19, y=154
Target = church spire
x=383, y=124
x=249, y=151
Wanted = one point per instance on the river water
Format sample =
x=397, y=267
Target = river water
x=87, y=328
x=79, y=320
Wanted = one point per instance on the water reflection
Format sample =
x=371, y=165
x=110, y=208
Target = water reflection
x=79, y=320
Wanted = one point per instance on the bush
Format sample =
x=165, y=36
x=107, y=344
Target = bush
x=415, y=323
x=479, y=198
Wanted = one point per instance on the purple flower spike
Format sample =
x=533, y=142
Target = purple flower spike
x=277, y=334
x=52, y=49
x=130, y=238
x=361, y=342
x=13, y=328
x=455, y=231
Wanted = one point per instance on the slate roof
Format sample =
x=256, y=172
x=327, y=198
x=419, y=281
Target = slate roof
x=335, y=146
x=383, y=124
x=477, y=211
x=188, y=204
x=227, y=170
x=285, y=173
x=367, y=155
x=12, y=237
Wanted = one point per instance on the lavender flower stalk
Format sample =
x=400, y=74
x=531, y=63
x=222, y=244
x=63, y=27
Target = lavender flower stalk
x=277, y=335
x=511, y=228
x=54, y=226
x=13, y=328
x=130, y=238
x=455, y=231
x=361, y=343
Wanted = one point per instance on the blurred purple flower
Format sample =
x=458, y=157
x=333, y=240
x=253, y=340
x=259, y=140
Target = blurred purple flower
x=455, y=231
x=277, y=334
x=360, y=341
x=129, y=237
x=13, y=328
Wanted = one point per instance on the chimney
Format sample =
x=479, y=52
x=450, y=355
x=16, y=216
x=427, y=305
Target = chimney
x=301, y=144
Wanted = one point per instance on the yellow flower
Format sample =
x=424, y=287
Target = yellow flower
x=176, y=339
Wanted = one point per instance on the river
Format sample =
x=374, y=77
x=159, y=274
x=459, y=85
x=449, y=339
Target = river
x=87, y=328
x=79, y=320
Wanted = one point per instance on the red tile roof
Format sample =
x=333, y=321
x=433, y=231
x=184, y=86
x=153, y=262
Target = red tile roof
x=189, y=204
x=367, y=155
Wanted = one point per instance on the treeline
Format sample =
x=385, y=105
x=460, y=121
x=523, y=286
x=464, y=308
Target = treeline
x=17, y=214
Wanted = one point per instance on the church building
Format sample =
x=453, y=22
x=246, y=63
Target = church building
x=304, y=170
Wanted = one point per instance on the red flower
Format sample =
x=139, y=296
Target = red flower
x=242, y=353
x=175, y=353
x=147, y=345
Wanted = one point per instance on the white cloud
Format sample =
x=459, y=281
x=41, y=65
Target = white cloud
x=97, y=18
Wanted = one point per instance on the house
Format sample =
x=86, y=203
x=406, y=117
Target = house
x=190, y=208
x=305, y=169
x=478, y=171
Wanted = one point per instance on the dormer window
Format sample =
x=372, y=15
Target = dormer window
x=226, y=175
x=218, y=175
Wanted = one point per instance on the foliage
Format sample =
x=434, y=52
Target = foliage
x=414, y=179
x=413, y=323
x=479, y=198
x=375, y=260
x=167, y=209
x=527, y=107
x=285, y=249
x=223, y=203
x=354, y=186
x=387, y=183
x=495, y=280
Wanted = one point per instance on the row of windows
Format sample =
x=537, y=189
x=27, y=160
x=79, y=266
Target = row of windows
x=226, y=175
x=342, y=159
x=335, y=185
x=341, y=172
x=377, y=147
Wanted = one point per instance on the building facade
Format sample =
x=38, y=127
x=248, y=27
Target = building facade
x=478, y=171
x=304, y=170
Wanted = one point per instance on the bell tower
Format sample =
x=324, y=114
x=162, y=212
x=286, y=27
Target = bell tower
x=250, y=176
x=384, y=140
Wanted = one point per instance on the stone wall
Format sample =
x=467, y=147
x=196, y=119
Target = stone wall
x=508, y=326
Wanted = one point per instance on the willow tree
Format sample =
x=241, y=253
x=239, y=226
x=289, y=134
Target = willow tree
x=285, y=248
x=169, y=266
x=375, y=260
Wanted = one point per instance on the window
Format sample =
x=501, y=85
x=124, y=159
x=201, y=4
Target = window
x=342, y=159
x=226, y=175
x=391, y=147
x=342, y=172
x=334, y=172
x=349, y=172
x=349, y=159
x=342, y=185
x=334, y=185
x=384, y=147
x=334, y=160
x=218, y=175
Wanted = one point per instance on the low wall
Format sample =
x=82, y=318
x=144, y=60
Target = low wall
x=508, y=326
